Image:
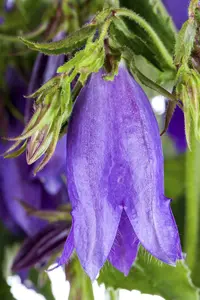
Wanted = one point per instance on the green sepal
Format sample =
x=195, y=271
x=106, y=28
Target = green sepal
x=114, y=68
x=51, y=84
x=188, y=90
x=185, y=42
x=52, y=145
x=122, y=37
x=69, y=44
x=48, y=215
x=38, y=144
x=80, y=283
x=169, y=113
x=65, y=95
x=16, y=152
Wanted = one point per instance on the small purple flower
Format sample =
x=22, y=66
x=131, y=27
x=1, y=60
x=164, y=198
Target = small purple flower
x=9, y=5
x=178, y=9
x=115, y=178
x=1, y=20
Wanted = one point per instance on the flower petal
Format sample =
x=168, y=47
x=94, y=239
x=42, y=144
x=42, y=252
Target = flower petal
x=156, y=229
x=94, y=233
x=68, y=248
x=125, y=247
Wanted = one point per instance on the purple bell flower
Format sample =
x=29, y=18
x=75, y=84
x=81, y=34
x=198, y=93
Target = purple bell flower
x=178, y=9
x=115, y=178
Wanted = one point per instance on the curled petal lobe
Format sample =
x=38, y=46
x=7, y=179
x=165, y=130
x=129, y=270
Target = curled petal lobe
x=125, y=246
x=157, y=231
x=68, y=248
x=97, y=228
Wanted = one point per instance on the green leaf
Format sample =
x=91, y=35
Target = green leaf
x=5, y=240
x=69, y=44
x=123, y=37
x=80, y=283
x=154, y=13
x=152, y=277
x=5, y=293
x=185, y=42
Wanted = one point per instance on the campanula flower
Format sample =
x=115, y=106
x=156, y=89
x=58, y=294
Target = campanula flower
x=115, y=178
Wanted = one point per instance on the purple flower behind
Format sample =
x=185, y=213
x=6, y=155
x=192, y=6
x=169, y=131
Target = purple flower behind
x=16, y=187
x=9, y=5
x=115, y=178
x=1, y=20
x=51, y=175
x=178, y=9
x=176, y=130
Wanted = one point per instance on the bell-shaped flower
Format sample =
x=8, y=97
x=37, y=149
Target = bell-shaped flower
x=115, y=178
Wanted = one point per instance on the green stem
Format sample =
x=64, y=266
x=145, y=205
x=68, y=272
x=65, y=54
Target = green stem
x=192, y=202
x=150, y=31
x=30, y=35
x=112, y=294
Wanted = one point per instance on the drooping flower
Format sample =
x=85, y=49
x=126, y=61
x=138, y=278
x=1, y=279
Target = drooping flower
x=115, y=178
x=178, y=9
